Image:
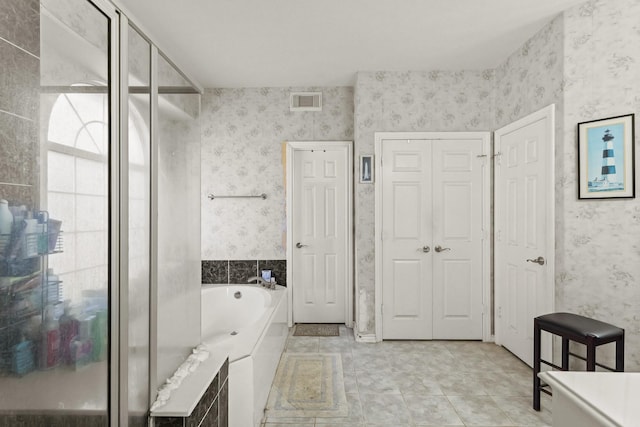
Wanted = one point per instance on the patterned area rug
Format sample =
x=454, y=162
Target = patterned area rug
x=308, y=385
x=316, y=330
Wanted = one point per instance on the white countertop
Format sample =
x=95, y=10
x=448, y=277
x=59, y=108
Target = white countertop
x=612, y=396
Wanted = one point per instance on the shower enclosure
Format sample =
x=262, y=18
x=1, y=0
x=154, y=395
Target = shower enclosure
x=99, y=235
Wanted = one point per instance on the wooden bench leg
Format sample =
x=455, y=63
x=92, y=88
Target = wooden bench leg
x=591, y=354
x=565, y=354
x=536, y=365
x=620, y=354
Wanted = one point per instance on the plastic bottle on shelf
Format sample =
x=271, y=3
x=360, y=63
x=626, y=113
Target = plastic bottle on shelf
x=50, y=345
x=69, y=331
x=22, y=357
x=53, y=287
x=81, y=347
x=6, y=224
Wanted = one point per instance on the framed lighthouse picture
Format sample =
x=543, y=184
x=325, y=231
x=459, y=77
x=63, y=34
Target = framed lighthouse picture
x=606, y=158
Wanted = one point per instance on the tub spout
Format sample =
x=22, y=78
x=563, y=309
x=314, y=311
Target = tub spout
x=258, y=280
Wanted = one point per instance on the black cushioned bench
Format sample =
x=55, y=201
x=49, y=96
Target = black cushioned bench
x=573, y=327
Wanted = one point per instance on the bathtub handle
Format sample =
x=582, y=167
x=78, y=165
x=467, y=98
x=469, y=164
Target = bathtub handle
x=300, y=245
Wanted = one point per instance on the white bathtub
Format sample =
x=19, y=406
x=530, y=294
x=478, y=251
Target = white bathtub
x=255, y=324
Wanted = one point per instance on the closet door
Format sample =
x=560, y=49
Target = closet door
x=432, y=237
x=406, y=240
x=457, y=239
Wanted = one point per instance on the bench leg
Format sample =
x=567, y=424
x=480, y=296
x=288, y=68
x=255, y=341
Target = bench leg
x=565, y=354
x=591, y=354
x=536, y=365
x=620, y=354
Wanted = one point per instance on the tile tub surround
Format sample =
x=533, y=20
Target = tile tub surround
x=211, y=410
x=19, y=101
x=424, y=383
x=238, y=271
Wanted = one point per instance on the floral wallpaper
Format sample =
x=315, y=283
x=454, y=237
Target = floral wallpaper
x=586, y=61
x=532, y=77
x=242, y=135
x=598, y=242
x=407, y=101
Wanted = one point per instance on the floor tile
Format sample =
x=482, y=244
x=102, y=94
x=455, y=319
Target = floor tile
x=432, y=410
x=479, y=411
x=520, y=411
x=460, y=384
x=384, y=408
x=425, y=383
x=376, y=382
x=418, y=384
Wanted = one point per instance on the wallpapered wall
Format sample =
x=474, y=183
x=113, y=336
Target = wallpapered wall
x=242, y=135
x=598, y=242
x=586, y=61
x=408, y=101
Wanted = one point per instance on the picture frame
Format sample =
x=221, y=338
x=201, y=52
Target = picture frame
x=366, y=169
x=606, y=158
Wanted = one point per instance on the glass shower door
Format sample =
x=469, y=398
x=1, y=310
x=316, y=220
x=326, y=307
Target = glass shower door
x=57, y=270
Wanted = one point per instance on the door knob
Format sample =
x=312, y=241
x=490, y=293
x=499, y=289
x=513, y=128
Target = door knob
x=441, y=249
x=539, y=260
x=426, y=249
x=300, y=245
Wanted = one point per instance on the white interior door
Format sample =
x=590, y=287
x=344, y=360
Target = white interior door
x=432, y=236
x=319, y=231
x=407, y=240
x=524, y=224
x=458, y=167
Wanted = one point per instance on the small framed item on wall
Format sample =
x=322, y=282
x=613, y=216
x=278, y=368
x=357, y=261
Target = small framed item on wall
x=606, y=158
x=366, y=169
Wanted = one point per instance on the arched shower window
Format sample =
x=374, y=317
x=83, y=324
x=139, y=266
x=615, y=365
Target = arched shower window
x=77, y=187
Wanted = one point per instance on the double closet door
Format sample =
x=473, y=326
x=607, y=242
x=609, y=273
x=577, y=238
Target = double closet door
x=433, y=217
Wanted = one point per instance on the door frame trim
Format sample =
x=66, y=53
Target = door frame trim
x=546, y=113
x=485, y=137
x=291, y=148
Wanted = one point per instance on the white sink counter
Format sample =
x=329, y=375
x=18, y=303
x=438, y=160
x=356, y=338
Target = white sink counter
x=585, y=399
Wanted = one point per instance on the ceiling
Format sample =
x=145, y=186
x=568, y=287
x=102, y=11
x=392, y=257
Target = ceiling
x=276, y=43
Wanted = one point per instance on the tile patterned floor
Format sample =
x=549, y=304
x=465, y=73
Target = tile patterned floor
x=425, y=383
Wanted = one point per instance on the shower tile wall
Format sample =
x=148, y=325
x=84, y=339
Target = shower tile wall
x=19, y=100
x=238, y=271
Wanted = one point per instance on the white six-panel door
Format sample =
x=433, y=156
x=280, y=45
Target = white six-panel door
x=320, y=231
x=432, y=238
x=458, y=168
x=524, y=238
x=407, y=240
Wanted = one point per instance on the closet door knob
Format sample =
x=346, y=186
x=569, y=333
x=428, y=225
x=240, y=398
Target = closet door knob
x=426, y=249
x=300, y=245
x=441, y=249
x=539, y=260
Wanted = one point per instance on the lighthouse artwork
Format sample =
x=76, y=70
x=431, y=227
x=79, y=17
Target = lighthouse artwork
x=606, y=158
x=608, y=178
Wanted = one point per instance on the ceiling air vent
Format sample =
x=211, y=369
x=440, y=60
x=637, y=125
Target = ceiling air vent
x=305, y=101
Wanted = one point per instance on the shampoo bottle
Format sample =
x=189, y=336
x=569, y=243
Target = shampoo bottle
x=69, y=330
x=50, y=347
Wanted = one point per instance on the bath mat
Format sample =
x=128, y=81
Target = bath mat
x=308, y=385
x=316, y=330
